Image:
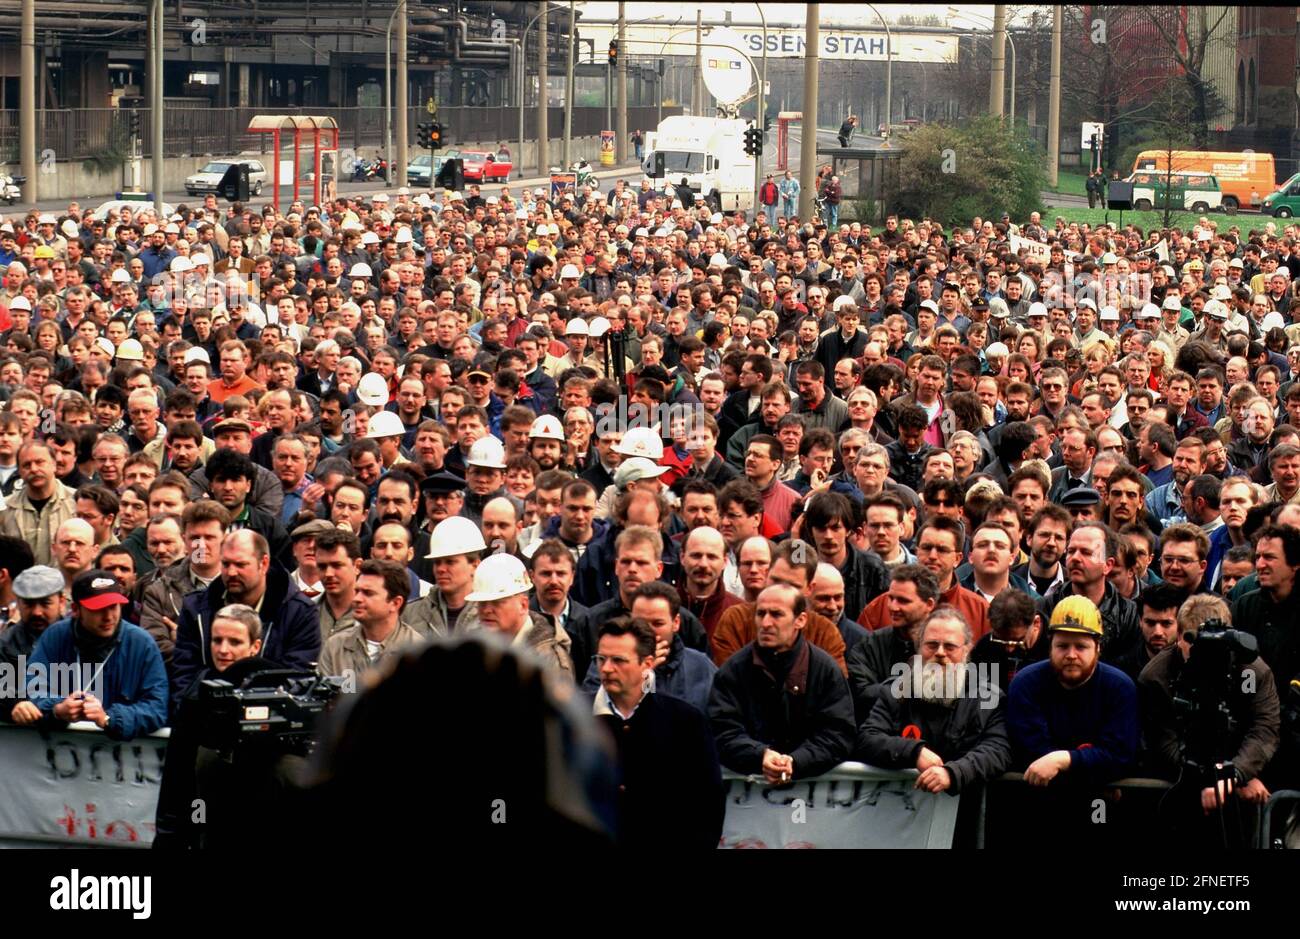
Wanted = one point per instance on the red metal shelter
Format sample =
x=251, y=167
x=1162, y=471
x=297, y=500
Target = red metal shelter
x=318, y=131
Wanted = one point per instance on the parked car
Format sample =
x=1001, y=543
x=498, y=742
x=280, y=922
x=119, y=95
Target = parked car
x=423, y=169
x=135, y=205
x=1191, y=192
x=209, y=178
x=482, y=167
x=1285, y=202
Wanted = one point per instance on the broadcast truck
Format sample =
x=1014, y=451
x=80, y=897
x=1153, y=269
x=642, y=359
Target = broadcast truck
x=710, y=153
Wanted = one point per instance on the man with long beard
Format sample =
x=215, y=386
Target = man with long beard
x=963, y=738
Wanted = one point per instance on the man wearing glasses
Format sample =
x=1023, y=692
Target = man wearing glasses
x=1015, y=639
x=938, y=550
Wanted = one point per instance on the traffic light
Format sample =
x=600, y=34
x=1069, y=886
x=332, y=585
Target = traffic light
x=435, y=135
x=422, y=134
x=134, y=119
x=753, y=142
x=613, y=53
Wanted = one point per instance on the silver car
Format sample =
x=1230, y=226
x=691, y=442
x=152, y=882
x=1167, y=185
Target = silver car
x=209, y=178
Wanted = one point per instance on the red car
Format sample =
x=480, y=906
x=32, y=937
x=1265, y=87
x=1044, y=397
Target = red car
x=482, y=167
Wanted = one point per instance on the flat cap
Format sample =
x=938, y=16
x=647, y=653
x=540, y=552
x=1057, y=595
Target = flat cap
x=37, y=583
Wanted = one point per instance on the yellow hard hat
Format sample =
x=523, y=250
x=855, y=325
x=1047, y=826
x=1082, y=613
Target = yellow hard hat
x=1076, y=614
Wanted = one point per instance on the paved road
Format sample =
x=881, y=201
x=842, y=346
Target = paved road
x=176, y=197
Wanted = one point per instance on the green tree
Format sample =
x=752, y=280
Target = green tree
x=954, y=172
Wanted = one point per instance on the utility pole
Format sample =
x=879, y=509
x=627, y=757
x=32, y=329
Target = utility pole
x=568, y=84
x=808, y=131
x=27, y=102
x=1054, y=102
x=403, y=138
x=1031, y=112
x=997, y=77
x=543, y=132
x=620, y=132
x=156, y=100
x=697, y=92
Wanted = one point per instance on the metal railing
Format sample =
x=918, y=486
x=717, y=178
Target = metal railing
x=84, y=133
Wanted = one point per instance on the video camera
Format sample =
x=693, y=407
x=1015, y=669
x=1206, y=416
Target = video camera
x=1205, y=691
x=278, y=709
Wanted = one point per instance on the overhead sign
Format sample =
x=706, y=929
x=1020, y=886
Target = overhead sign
x=726, y=73
x=837, y=42
x=1091, y=129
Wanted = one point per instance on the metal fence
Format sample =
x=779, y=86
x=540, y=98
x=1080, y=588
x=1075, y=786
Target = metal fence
x=84, y=133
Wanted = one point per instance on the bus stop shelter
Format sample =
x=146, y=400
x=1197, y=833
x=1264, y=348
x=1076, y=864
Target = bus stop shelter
x=315, y=141
x=868, y=177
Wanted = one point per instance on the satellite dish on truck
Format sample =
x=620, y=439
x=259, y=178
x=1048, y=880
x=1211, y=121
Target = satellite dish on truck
x=726, y=73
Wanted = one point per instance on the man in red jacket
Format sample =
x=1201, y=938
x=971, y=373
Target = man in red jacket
x=769, y=196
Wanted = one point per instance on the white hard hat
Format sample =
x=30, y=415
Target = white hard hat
x=47, y=219
x=131, y=350
x=597, y=327
x=403, y=236
x=369, y=238
x=488, y=452
x=997, y=350
x=106, y=344
x=1171, y=302
x=385, y=424
x=1149, y=311
x=197, y=354
x=372, y=389
x=577, y=327
x=1221, y=292
x=180, y=265
x=453, y=536
x=498, y=577
x=119, y=276
x=1273, y=319
x=546, y=427
x=1037, y=309
x=570, y=270
x=718, y=260
x=641, y=441
x=1109, y=258
x=360, y=271
x=20, y=303
x=637, y=468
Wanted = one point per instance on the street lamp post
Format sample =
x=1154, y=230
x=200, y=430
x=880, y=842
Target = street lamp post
x=388, y=90
x=889, y=70
x=762, y=101
x=954, y=13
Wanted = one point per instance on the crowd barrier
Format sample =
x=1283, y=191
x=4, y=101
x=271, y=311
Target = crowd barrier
x=1267, y=832
x=78, y=788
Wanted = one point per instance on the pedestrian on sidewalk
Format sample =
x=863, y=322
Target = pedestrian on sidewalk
x=789, y=187
x=638, y=141
x=832, y=194
x=768, y=196
x=846, y=130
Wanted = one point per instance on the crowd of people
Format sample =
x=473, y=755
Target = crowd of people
x=952, y=499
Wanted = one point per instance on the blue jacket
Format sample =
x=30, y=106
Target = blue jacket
x=687, y=674
x=133, y=682
x=156, y=261
x=290, y=628
x=1097, y=722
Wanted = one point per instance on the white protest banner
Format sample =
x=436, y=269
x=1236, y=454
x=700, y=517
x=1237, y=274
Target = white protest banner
x=852, y=806
x=1034, y=250
x=78, y=788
